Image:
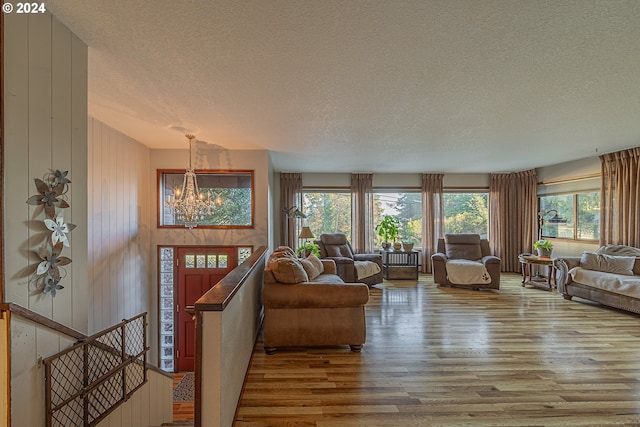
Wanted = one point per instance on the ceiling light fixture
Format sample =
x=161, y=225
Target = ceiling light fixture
x=188, y=204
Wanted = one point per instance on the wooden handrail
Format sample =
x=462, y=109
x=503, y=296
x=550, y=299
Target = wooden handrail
x=219, y=296
x=42, y=320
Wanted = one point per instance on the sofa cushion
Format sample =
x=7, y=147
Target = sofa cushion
x=328, y=278
x=287, y=270
x=312, y=268
x=463, y=246
x=608, y=263
x=617, y=283
x=339, y=251
x=316, y=261
x=619, y=250
x=283, y=251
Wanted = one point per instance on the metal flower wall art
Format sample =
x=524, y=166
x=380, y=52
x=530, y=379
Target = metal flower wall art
x=51, y=196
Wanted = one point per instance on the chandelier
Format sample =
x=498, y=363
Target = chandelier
x=188, y=204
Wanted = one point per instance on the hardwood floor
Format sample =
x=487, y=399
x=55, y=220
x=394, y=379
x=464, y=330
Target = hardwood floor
x=182, y=411
x=438, y=356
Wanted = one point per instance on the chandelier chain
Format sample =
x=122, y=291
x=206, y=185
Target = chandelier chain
x=189, y=204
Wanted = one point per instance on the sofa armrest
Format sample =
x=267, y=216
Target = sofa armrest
x=439, y=268
x=344, y=268
x=329, y=266
x=493, y=264
x=563, y=277
x=490, y=259
x=377, y=258
x=571, y=261
x=439, y=257
x=315, y=295
x=340, y=260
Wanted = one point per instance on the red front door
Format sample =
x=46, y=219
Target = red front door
x=199, y=269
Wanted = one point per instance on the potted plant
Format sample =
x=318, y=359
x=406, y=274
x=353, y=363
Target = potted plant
x=307, y=248
x=388, y=229
x=544, y=248
x=407, y=244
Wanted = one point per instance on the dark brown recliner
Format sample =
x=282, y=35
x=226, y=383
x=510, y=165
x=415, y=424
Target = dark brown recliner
x=336, y=247
x=469, y=247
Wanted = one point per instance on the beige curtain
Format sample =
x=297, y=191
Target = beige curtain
x=432, y=216
x=362, y=212
x=290, y=200
x=620, y=198
x=512, y=216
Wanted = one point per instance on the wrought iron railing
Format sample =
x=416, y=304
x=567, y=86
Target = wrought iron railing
x=87, y=381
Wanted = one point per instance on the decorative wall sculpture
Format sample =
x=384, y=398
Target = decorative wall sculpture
x=52, y=196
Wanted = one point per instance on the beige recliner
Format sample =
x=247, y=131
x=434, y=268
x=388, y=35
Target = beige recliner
x=336, y=247
x=465, y=247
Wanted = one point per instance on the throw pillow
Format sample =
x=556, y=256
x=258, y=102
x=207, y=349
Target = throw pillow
x=288, y=270
x=281, y=251
x=310, y=268
x=608, y=263
x=619, y=250
x=316, y=261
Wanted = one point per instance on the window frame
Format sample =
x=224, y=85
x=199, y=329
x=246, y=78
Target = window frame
x=467, y=190
x=314, y=189
x=574, y=201
x=401, y=190
x=161, y=196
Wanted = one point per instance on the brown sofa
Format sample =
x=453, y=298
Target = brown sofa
x=319, y=311
x=465, y=247
x=336, y=247
x=601, y=283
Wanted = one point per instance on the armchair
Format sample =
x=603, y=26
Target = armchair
x=336, y=247
x=468, y=247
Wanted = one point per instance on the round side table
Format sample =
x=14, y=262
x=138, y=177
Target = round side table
x=527, y=262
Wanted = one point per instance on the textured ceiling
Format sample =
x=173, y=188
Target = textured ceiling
x=380, y=86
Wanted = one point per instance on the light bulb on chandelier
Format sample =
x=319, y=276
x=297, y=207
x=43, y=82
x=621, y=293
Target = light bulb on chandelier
x=188, y=204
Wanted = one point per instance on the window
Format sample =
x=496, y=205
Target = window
x=576, y=216
x=466, y=212
x=327, y=211
x=166, y=308
x=231, y=192
x=406, y=207
x=588, y=215
x=558, y=222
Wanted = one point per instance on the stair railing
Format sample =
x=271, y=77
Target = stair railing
x=87, y=381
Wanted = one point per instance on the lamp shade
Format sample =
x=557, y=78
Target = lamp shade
x=306, y=233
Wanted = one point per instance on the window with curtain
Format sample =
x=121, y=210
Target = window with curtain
x=327, y=210
x=406, y=207
x=466, y=212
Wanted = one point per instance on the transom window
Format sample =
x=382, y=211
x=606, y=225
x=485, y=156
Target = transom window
x=231, y=192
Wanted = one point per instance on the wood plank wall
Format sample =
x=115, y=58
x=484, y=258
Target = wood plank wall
x=45, y=110
x=119, y=228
